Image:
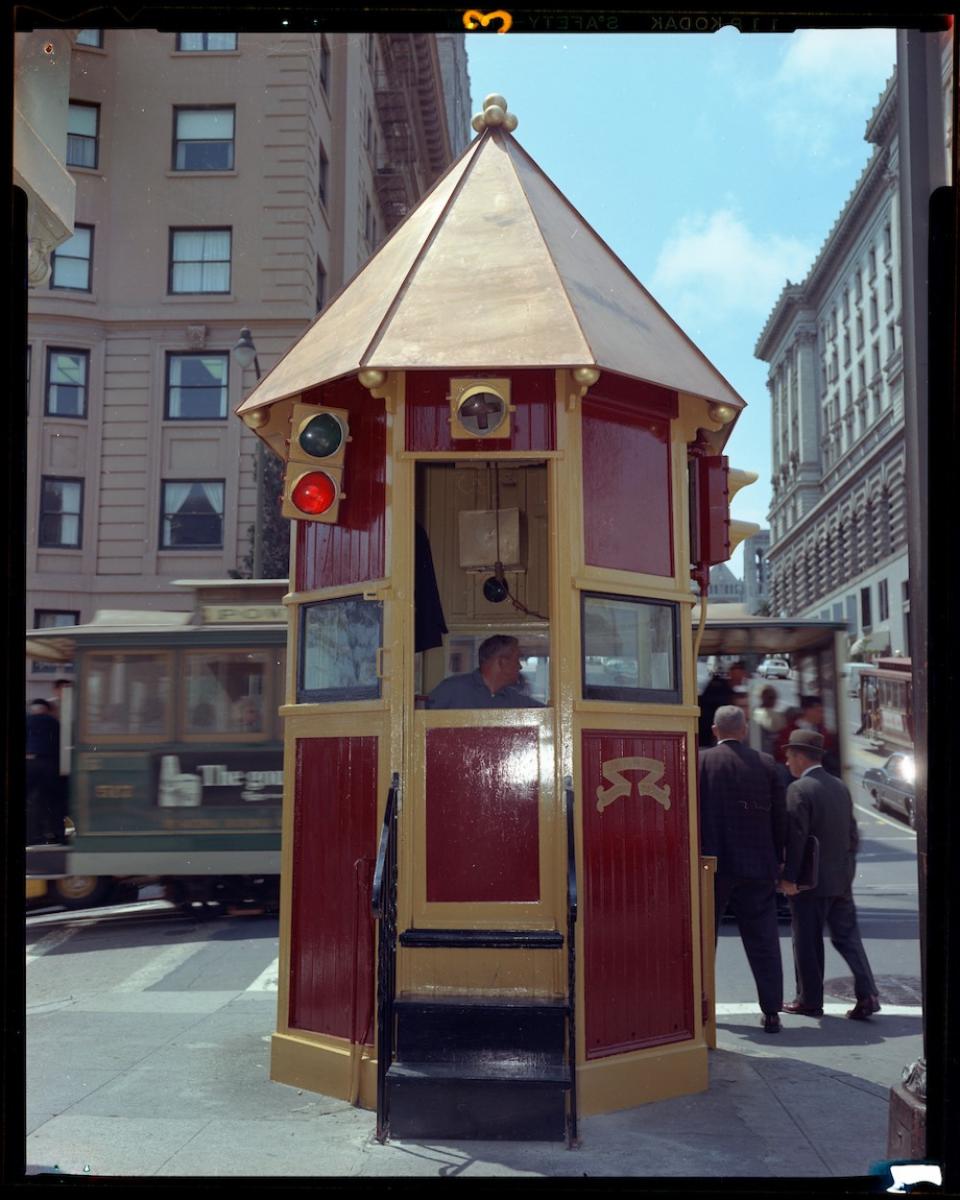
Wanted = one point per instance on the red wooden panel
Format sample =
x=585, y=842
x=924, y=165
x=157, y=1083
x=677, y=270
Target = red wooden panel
x=636, y=913
x=331, y=935
x=482, y=796
x=627, y=510
x=532, y=426
x=353, y=550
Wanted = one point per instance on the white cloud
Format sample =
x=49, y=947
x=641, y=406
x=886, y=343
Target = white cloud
x=840, y=63
x=713, y=268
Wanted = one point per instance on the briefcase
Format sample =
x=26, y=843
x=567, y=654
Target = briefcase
x=809, y=873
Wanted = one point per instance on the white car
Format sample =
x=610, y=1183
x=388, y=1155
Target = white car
x=774, y=668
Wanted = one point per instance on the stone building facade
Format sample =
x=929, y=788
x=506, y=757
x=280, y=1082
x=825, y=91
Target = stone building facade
x=222, y=181
x=756, y=572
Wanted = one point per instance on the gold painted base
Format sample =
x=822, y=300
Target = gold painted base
x=330, y=1066
x=625, y=1081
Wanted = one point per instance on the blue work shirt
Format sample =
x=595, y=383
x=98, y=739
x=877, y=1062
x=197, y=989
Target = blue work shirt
x=470, y=691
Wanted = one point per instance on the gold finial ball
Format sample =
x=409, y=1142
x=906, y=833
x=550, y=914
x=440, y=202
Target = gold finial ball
x=587, y=376
x=494, y=99
x=494, y=115
x=370, y=377
x=510, y=122
x=478, y=123
x=723, y=413
x=256, y=419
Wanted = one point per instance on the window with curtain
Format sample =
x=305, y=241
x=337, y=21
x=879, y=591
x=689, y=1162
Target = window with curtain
x=67, y=383
x=83, y=126
x=61, y=505
x=71, y=263
x=192, y=515
x=200, y=260
x=196, y=387
x=199, y=43
x=203, y=139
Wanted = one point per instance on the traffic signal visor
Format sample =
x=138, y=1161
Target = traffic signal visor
x=313, y=484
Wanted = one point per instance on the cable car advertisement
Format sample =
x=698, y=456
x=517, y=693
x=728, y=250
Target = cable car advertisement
x=238, y=778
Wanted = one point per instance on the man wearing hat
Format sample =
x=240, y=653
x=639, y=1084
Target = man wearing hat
x=820, y=804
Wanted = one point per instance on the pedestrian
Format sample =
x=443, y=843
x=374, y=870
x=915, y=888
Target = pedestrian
x=819, y=804
x=810, y=717
x=43, y=775
x=743, y=823
x=721, y=689
x=768, y=719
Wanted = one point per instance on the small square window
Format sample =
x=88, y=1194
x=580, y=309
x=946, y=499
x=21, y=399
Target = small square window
x=339, y=644
x=203, y=139
x=192, y=515
x=67, y=372
x=200, y=42
x=196, y=387
x=61, y=506
x=83, y=135
x=90, y=37
x=71, y=263
x=199, y=261
x=630, y=649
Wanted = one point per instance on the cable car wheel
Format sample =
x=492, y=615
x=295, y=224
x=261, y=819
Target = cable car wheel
x=81, y=891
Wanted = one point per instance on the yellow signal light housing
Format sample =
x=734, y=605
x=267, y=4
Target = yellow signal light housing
x=313, y=482
x=480, y=408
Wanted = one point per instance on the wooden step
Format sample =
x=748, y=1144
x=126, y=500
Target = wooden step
x=452, y=1028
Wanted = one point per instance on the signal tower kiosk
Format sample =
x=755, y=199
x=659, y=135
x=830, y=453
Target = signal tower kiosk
x=493, y=918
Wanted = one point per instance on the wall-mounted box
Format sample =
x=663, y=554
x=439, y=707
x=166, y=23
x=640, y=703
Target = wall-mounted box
x=481, y=545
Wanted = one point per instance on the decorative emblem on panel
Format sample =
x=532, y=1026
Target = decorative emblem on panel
x=480, y=408
x=648, y=785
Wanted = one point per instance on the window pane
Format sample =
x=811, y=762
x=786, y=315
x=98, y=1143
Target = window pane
x=221, y=41
x=188, y=245
x=193, y=514
x=629, y=649
x=71, y=273
x=126, y=694
x=90, y=37
x=205, y=123
x=198, y=387
x=215, y=277
x=81, y=151
x=204, y=156
x=82, y=118
x=216, y=246
x=225, y=693
x=338, y=650
x=66, y=396
x=186, y=277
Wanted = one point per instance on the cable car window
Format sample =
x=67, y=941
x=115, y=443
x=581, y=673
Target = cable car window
x=225, y=694
x=630, y=649
x=126, y=695
x=340, y=643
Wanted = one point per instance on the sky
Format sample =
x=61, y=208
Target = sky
x=714, y=165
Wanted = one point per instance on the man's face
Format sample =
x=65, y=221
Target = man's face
x=814, y=714
x=737, y=675
x=509, y=662
x=794, y=764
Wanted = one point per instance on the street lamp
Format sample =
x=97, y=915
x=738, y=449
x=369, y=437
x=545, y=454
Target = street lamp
x=245, y=354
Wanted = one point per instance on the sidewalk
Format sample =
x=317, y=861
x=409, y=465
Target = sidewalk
x=186, y=1093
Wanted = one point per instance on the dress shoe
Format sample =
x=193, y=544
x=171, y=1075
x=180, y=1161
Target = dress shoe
x=801, y=1010
x=864, y=1009
x=770, y=1023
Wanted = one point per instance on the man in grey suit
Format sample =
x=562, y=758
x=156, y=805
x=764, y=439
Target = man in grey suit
x=819, y=804
x=743, y=823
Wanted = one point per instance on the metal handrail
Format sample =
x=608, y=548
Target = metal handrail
x=383, y=903
x=571, y=961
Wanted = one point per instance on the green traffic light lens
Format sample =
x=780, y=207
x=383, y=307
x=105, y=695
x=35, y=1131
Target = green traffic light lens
x=321, y=436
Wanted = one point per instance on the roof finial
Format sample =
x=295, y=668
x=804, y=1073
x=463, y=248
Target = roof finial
x=494, y=114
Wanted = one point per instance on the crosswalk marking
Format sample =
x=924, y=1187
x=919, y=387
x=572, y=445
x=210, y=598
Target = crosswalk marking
x=50, y=942
x=829, y=1010
x=268, y=980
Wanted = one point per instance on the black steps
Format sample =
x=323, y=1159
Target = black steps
x=479, y=1067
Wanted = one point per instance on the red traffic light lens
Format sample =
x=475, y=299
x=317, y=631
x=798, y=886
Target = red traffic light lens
x=314, y=493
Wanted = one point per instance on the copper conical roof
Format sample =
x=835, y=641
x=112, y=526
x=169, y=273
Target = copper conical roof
x=494, y=269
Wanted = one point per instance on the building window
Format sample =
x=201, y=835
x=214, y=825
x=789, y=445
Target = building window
x=196, y=387
x=61, y=503
x=199, y=261
x=192, y=515
x=368, y=131
x=199, y=42
x=846, y=302
x=887, y=241
x=873, y=263
x=90, y=37
x=324, y=64
x=876, y=358
x=891, y=340
x=859, y=332
x=48, y=618
x=367, y=217
x=71, y=262
x=865, y=622
x=322, y=170
x=858, y=284
x=67, y=383
x=321, y=286
x=83, y=130
x=861, y=376
x=846, y=349
x=888, y=292
x=883, y=600
x=203, y=139
x=873, y=312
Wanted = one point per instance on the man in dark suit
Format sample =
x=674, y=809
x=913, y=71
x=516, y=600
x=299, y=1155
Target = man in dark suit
x=743, y=823
x=819, y=804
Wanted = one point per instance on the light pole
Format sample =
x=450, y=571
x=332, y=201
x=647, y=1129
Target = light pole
x=245, y=354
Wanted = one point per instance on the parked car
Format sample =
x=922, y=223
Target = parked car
x=891, y=786
x=774, y=668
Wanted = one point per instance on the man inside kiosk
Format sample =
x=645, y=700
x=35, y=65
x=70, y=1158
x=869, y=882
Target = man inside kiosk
x=495, y=683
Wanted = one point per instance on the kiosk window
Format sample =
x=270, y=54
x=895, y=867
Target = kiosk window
x=339, y=648
x=630, y=649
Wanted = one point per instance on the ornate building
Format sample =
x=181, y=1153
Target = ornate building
x=756, y=572
x=222, y=180
x=837, y=518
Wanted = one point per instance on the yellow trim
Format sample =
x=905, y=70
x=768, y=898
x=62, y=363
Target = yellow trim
x=639, y=711
x=610, y=1084
x=627, y=584
x=456, y=971
x=323, y=1064
x=707, y=875
x=368, y=590
x=481, y=455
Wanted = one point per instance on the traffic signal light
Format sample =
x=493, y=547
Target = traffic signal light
x=713, y=484
x=313, y=484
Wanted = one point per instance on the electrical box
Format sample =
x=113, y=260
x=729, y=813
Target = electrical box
x=479, y=545
x=709, y=510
